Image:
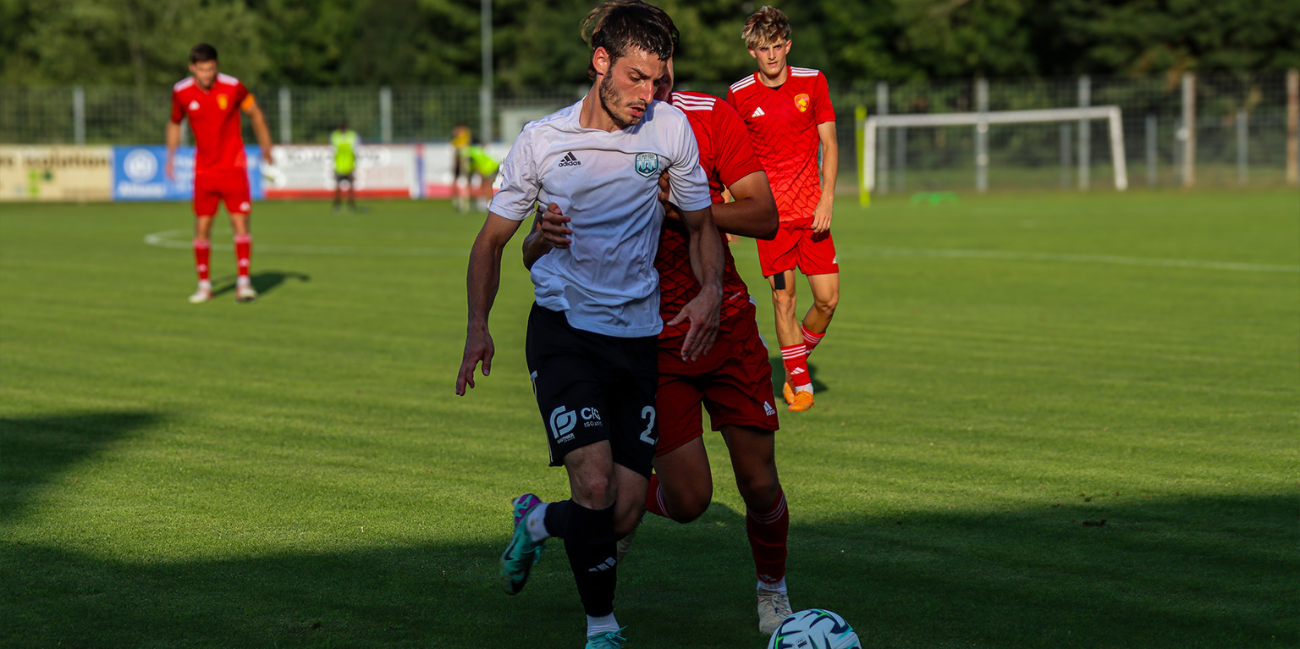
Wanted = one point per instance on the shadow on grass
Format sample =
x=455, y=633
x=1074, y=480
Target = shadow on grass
x=1194, y=572
x=35, y=451
x=264, y=282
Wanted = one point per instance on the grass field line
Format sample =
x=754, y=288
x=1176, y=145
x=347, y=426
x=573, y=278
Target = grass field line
x=167, y=239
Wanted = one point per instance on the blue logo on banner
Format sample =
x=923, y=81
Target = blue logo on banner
x=139, y=173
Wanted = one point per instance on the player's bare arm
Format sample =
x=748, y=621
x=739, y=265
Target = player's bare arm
x=173, y=141
x=260, y=129
x=703, y=312
x=550, y=231
x=483, y=280
x=752, y=213
x=830, y=170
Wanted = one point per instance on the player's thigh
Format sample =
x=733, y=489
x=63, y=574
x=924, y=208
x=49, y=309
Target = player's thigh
x=686, y=480
x=825, y=288
x=236, y=195
x=207, y=196
x=781, y=253
x=570, y=394
x=630, y=379
x=817, y=254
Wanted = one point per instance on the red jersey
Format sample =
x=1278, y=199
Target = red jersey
x=214, y=119
x=782, y=125
x=726, y=156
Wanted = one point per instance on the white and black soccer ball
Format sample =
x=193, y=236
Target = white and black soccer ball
x=814, y=629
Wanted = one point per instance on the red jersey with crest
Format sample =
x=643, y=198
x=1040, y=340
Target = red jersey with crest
x=782, y=125
x=214, y=119
x=726, y=156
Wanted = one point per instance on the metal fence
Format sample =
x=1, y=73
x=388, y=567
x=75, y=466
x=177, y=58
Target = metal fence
x=1241, y=128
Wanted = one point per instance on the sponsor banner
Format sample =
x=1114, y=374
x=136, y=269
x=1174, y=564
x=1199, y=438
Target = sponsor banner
x=439, y=167
x=307, y=171
x=56, y=173
x=139, y=173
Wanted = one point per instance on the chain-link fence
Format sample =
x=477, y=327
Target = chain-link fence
x=1240, y=136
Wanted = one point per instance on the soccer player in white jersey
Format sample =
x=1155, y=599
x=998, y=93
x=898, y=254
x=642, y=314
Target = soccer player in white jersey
x=592, y=334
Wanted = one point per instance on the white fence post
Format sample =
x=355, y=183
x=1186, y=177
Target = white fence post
x=882, y=140
x=1085, y=134
x=982, y=135
x=386, y=115
x=1243, y=130
x=286, y=116
x=79, y=115
x=1151, y=150
x=1189, y=129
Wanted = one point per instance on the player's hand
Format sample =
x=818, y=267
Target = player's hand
x=703, y=313
x=266, y=156
x=554, y=228
x=478, y=347
x=670, y=210
x=168, y=169
x=822, y=216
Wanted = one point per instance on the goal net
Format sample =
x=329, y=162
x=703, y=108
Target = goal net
x=1036, y=148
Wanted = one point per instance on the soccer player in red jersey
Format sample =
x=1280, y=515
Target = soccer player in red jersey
x=212, y=102
x=733, y=382
x=789, y=114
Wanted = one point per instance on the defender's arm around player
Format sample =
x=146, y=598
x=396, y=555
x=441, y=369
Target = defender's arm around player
x=211, y=101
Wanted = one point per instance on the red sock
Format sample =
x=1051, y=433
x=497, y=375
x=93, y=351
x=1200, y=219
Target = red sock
x=767, y=534
x=796, y=363
x=202, y=250
x=811, y=339
x=654, y=498
x=243, y=252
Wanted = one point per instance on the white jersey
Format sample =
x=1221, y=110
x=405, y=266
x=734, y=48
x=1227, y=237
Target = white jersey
x=608, y=184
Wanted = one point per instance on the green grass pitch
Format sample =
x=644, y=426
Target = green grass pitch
x=1003, y=376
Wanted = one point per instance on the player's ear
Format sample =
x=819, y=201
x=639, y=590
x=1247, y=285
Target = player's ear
x=787, y=46
x=600, y=60
x=752, y=52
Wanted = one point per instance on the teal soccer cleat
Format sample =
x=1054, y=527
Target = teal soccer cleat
x=518, y=559
x=610, y=640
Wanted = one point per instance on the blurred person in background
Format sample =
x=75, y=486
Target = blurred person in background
x=345, y=142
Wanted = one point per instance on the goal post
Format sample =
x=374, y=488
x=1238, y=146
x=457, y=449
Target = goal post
x=981, y=121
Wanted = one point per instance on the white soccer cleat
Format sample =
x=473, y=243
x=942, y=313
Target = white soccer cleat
x=200, y=296
x=245, y=294
x=773, y=608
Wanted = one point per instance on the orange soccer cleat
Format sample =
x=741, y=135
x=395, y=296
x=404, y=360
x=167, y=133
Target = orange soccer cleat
x=788, y=393
x=803, y=400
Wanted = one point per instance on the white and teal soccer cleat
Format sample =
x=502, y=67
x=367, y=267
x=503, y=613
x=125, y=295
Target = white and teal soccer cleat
x=609, y=640
x=773, y=608
x=245, y=294
x=518, y=559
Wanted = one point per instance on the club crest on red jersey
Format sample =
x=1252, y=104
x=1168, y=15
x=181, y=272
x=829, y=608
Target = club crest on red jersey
x=801, y=102
x=223, y=102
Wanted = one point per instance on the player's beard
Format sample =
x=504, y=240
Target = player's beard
x=609, y=102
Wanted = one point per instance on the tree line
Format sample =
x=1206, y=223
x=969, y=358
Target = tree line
x=270, y=43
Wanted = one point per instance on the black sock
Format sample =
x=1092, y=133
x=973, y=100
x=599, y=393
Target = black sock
x=589, y=542
x=557, y=518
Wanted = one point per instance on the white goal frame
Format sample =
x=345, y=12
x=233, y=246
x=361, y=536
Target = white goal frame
x=981, y=122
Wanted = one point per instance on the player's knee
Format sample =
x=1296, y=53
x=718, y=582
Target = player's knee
x=593, y=491
x=783, y=301
x=827, y=306
x=759, y=491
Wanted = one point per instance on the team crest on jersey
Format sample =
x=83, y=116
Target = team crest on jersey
x=647, y=164
x=223, y=101
x=801, y=102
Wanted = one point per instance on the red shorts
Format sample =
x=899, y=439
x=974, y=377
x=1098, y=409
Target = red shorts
x=230, y=187
x=797, y=245
x=733, y=381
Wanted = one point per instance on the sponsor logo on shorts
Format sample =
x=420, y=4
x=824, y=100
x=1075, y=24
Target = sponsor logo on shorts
x=244, y=206
x=562, y=423
x=606, y=565
x=767, y=408
x=590, y=417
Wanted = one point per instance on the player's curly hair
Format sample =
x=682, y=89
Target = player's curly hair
x=768, y=25
x=619, y=25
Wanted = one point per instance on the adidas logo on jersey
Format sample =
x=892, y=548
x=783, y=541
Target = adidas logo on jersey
x=758, y=112
x=767, y=408
x=569, y=160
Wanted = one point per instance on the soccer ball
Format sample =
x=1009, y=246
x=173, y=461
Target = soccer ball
x=814, y=629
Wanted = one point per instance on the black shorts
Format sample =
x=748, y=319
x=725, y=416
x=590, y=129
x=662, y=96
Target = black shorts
x=338, y=177
x=592, y=388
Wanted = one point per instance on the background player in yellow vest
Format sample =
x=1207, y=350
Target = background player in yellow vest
x=345, y=142
x=485, y=167
x=461, y=171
